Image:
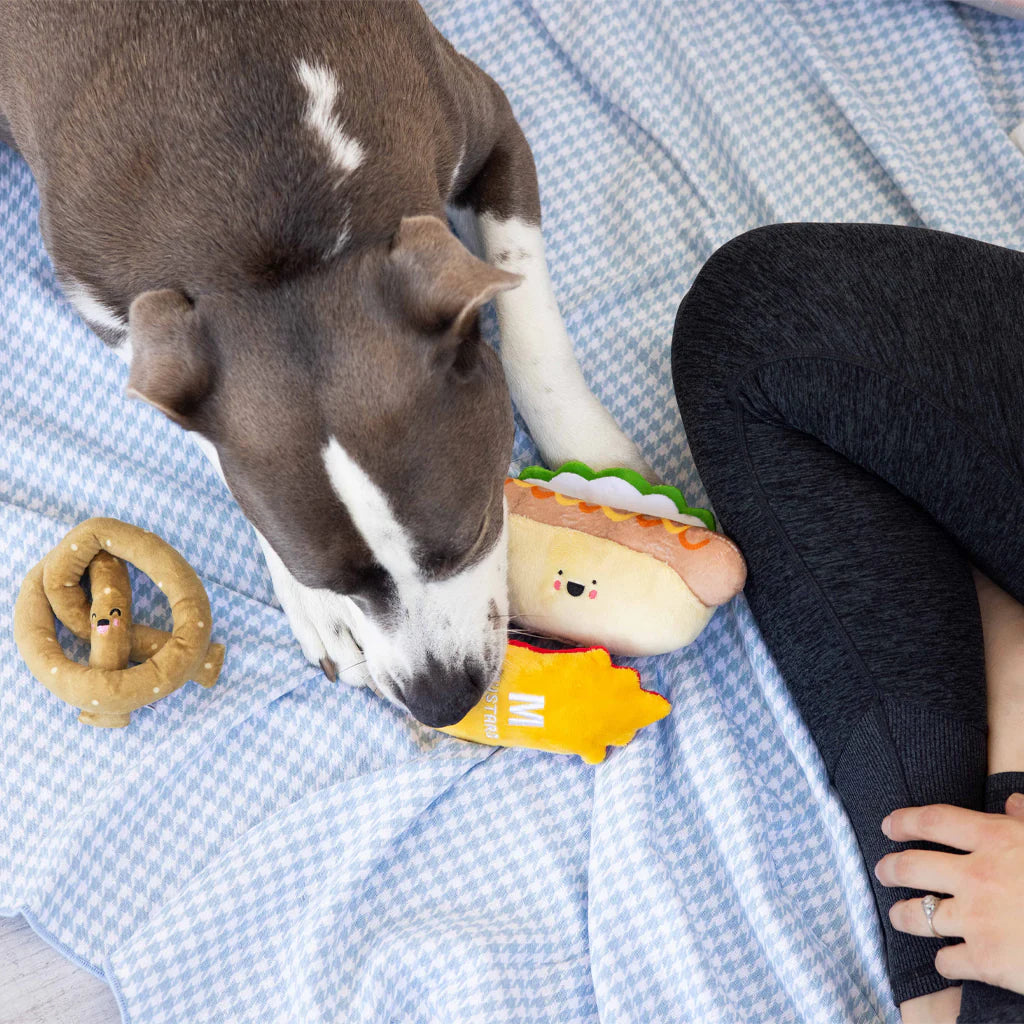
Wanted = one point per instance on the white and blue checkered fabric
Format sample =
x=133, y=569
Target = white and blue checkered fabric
x=281, y=849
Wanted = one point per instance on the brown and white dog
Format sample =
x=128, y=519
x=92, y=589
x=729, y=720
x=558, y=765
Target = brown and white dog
x=247, y=201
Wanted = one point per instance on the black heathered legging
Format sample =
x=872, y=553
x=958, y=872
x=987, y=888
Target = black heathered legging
x=853, y=396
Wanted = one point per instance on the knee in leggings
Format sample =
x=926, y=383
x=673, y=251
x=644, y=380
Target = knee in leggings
x=737, y=292
x=767, y=293
x=727, y=319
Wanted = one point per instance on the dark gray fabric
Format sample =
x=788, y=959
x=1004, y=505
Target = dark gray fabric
x=999, y=787
x=853, y=396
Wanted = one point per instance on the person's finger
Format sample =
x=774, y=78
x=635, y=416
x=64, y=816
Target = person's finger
x=1015, y=805
x=922, y=869
x=957, y=963
x=944, y=824
x=909, y=916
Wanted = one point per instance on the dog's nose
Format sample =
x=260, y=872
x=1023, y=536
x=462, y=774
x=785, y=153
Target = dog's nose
x=443, y=695
x=575, y=589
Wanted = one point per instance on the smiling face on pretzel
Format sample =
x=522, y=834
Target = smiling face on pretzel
x=110, y=616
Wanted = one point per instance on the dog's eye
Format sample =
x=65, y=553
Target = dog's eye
x=116, y=612
x=445, y=562
x=441, y=563
x=371, y=588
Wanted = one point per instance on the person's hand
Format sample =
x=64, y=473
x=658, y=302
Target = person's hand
x=986, y=887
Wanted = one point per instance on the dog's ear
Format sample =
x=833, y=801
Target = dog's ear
x=440, y=284
x=170, y=368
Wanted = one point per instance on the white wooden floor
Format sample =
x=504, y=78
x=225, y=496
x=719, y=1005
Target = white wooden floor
x=39, y=986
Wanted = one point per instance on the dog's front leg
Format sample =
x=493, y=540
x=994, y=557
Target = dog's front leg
x=545, y=380
x=314, y=616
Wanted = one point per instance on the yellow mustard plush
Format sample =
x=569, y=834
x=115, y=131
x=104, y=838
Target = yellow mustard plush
x=107, y=690
x=564, y=702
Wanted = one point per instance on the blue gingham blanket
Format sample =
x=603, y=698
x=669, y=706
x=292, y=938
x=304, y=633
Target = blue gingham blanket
x=281, y=849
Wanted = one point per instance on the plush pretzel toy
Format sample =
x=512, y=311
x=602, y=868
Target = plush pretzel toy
x=107, y=690
x=609, y=561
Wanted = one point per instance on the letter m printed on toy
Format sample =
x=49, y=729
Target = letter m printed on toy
x=525, y=708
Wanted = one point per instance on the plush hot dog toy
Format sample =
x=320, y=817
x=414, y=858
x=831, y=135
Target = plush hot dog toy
x=604, y=558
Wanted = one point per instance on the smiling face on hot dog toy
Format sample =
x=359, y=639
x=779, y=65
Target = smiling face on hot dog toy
x=606, y=559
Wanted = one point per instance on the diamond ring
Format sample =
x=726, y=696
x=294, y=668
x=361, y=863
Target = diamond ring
x=928, y=905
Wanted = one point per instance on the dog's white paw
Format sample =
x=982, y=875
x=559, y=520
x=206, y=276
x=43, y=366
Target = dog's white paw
x=345, y=659
x=587, y=432
x=320, y=621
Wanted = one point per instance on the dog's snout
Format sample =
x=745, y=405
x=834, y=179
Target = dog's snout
x=443, y=695
x=575, y=589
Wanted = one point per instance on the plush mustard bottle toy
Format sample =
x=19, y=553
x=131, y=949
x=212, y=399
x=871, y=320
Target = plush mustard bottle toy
x=565, y=702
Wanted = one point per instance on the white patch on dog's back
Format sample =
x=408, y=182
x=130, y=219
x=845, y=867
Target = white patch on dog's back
x=339, y=244
x=458, y=167
x=346, y=153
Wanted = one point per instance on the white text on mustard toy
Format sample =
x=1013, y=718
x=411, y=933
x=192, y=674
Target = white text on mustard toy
x=525, y=708
x=491, y=712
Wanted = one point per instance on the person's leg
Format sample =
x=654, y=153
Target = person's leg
x=847, y=395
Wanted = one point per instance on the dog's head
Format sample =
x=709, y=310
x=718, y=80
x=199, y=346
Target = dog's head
x=365, y=430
